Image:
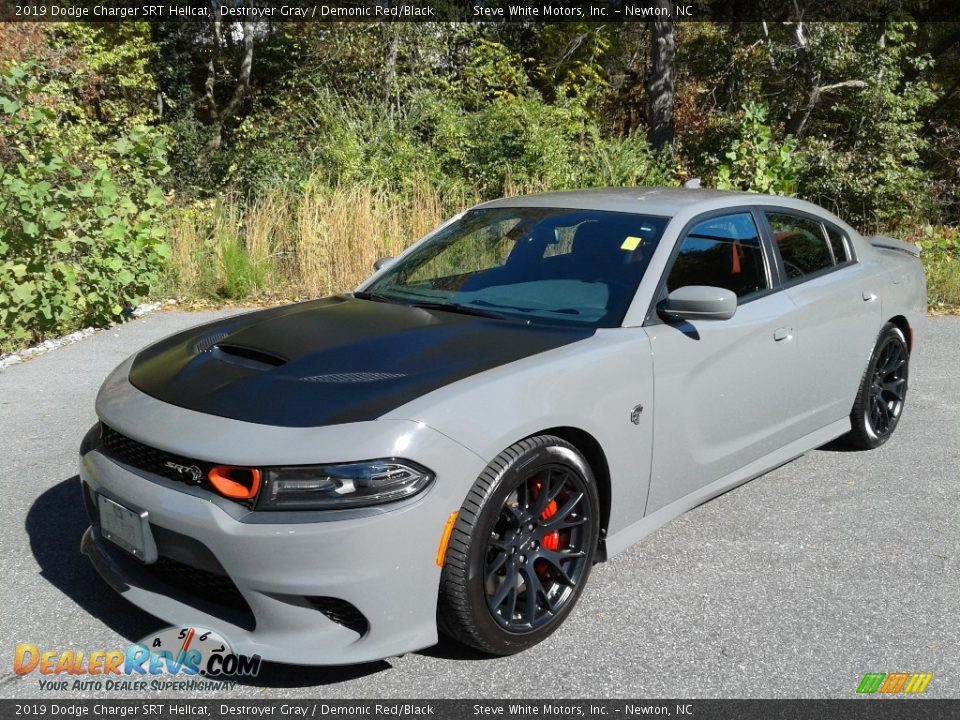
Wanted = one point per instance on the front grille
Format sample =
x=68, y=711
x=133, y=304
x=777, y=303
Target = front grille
x=211, y=593
x=203, y=584
x=159, y=462
x=341, y=612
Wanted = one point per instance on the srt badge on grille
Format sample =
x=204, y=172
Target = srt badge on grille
x=192, y=471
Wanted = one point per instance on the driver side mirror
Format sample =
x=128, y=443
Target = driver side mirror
x=698, y=302
x=382, y=263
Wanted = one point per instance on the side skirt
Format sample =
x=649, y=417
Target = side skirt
x=643, y=527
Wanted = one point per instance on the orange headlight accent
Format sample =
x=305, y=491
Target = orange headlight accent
x=236, y=483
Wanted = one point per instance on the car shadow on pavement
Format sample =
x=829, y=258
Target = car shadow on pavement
x=448, y=649
x=277, y=675
x=838, y=446
x=55, y=524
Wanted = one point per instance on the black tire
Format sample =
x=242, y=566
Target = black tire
x=521, y=549
x=882, y=393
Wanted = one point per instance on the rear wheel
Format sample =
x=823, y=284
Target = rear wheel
x=521, y=549
x=883, y=391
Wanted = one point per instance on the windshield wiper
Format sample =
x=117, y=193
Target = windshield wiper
x=561, y=311
x=462, y=309
x=433, y=305
x=374, y=296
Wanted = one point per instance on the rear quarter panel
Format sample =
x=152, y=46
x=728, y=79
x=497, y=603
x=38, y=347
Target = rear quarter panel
x=903, y=284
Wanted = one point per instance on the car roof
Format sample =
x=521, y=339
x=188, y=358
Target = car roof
x=663, y=201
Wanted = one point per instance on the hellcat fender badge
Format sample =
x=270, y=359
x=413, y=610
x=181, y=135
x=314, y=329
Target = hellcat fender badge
x=635, y=415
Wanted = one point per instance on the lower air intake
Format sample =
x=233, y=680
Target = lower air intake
x=341, y=612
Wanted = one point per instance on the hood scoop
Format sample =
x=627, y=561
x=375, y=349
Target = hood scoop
x=250, y=358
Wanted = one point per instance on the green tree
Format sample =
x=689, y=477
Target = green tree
x=77, y=245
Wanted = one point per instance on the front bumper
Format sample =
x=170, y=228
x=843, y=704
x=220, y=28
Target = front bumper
x=268, y=579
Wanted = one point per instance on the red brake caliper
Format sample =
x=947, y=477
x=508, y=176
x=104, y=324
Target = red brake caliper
x=551, y=541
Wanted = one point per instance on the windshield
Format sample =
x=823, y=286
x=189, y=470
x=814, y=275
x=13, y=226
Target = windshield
x=544, y=264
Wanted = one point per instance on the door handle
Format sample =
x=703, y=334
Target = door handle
x=868, y=296
x=781, y=334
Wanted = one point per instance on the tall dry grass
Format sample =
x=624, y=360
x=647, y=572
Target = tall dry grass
x=285, y=245
x=324, y=240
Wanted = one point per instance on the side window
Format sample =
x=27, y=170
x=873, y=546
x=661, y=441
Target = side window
x=802, y=243
x=721, y=252
x=838, y=244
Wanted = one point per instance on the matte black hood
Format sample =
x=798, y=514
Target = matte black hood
x=331, y=361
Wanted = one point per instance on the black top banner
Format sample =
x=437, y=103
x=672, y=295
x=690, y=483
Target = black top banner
x=530, y=11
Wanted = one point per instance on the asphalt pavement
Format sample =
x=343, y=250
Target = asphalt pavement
x=793, y=585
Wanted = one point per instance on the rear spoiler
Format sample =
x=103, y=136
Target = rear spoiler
x=889, y=243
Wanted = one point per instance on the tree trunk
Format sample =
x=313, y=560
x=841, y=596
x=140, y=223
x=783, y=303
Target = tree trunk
x=660, y=95
x=390, y=62
x=814, y=90
x=221, y=116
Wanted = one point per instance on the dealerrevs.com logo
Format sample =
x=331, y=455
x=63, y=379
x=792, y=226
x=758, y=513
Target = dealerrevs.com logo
x=176, y=658
x=894, y=683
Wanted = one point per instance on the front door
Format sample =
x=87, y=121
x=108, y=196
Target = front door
x=719, y=385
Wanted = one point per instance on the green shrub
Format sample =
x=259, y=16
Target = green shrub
x=519, y=138
x=940, y=254
x=755, y=160
x=864, y=161
x=625, y=162
x=78, y=243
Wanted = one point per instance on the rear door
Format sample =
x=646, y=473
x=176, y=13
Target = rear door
x=720, y=386
x=836, y=318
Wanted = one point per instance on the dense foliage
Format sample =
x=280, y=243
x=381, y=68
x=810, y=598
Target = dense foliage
x=231, y=142
x=77, y=243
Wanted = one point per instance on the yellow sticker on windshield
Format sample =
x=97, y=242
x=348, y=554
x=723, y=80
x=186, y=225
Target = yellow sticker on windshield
x=631, y=243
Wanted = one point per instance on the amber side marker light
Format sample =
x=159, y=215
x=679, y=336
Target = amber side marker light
x=236, y=483
x=445, y=537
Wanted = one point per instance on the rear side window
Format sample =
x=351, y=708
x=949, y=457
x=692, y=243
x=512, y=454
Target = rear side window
x=803, y=244
x=838, y=244
x=723, y=251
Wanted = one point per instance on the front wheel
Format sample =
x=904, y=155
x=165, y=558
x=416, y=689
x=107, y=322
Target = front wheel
x=521, y=549
x=883, y=391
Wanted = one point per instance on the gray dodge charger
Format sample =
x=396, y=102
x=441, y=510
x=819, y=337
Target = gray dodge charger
x=528, y=390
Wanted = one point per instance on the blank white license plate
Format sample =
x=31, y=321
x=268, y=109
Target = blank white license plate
x=125, y=528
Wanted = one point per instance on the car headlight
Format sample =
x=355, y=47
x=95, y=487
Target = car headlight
x=328, y=487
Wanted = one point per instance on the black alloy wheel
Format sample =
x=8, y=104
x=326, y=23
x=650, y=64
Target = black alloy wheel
x=883, y=391
x=521, y=549
x=537, y=552
x=888, y=390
